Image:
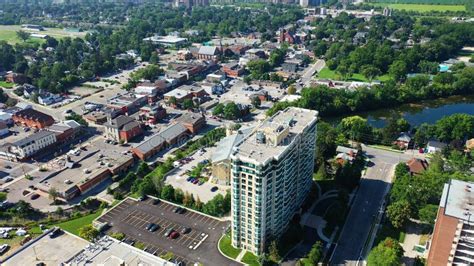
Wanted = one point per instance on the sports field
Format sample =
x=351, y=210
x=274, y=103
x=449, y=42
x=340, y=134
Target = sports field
x=8, y=33
x=422, y=7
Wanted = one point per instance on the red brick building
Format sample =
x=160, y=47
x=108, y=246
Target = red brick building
x=192, y=122
x=233, y=70
x=122, y=128
x=32, y=118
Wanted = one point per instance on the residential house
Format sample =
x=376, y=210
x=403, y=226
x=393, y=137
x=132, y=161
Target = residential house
x=403, y=141
x=32, y=118
x=435, y=146
x=417, y=166
x=261, y=94
x=290, y=67
x=122, y=128
x=18, y=78
x=345, y=154
x=288, y=37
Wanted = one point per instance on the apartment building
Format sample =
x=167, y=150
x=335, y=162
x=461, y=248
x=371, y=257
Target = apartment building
x=271, y=171
x=452, y=242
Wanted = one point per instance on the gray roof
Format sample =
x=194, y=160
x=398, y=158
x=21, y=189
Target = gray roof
x=150, y=143
x=457, y=199
x=33, y=137
x=404, y=137
x=436, y=144
x=208, y=50
x=172, y=132
x=123, y=122
x=225, y=145
x=342, y=149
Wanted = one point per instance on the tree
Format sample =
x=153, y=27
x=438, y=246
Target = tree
x=356, y=128
x=88, y=232
x=256, y=102
x=315, y=255
x=370, y=72
x=23, y=35
x=399, y=213
x=143, y=169
x=291, y=90
x=428, y=213
x=387, y=253
x=273, y=253
x=218, y=109
x=167, y=192
x=172, y=101
x=53, y=193
x=3, y=196
x=398, y=70
x=231, y=111
x=188, y=104
x=401, y=169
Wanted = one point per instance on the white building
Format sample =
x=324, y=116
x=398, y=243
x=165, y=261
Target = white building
x=35, y=142
x=271, y=175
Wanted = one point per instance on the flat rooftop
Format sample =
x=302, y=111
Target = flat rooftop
x=108, y=251
x=294, y=120
x=51, y=251
x=95, y=160
x=458, y=200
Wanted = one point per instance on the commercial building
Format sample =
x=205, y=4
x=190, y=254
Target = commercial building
x=170, y=41
x=122, y=128
x=271, y=176
x=192, y=122
x=233, y=70
x=452, y=242
x=65, y=131
x=32, y=118
x=32, y=144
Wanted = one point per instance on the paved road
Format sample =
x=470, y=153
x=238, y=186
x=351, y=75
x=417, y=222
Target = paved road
x=372, y=190
x=316, y=67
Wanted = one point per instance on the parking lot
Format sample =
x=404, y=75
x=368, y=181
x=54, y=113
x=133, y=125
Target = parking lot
x=198, y=245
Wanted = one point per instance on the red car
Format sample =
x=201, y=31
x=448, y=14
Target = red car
x=174, y=235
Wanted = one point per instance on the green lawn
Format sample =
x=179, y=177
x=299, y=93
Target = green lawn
x=326, y=73
x=250, y=259
x=10, y=37
x=225, y=244
x=72, y=226
x=5, y=84
x=422, y=7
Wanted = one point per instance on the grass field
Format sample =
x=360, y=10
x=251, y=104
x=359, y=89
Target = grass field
x=250, y=259
x=227, y=248
x=422, y=7
x=8, y=34
x=72, y=226
x=4, y=84
x=326, y=73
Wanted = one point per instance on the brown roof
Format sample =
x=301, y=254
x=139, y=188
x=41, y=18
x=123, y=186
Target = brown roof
x=417, y=166
x=442, y=239
x=34, y=115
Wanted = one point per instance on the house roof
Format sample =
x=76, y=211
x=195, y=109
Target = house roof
x=123, y=122
x=33, y=114
x=404, y=137
x=189, y=118
x=346, y=150
x=33, y=137
x=436, y=144
x=172, y=132
x=150, y=143
x=417, y=166
x=208, y=50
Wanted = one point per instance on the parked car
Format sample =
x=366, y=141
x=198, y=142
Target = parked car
x=149, y=226
x=185, y=230
x=154, y=227
x=34, y=196
x=189, y=178
x=168, y=232
x=174, y=235
x=4, y=248
x=155, y=201
x=214, y=189
x=142, y=198
x=195, y=181
x=55, y=232
x=177, y=209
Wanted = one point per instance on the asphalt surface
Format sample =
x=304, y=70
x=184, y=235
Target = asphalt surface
x=198, y=246
x=367, y=203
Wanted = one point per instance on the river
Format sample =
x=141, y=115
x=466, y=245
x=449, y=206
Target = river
x=423, y=112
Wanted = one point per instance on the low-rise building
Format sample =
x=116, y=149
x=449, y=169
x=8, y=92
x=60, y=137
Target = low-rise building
x=435, y=146
x=176, y=97
x=122, y=128
x=417, y=166
x=65, y=131
x=127, y=103
x=150, y=114
x=192, y=121
x=32, y=118
x=403, y=141
x=29, y=146
x=170, y=41
x=233, y=70
x=345, y=154
x=3, y=129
